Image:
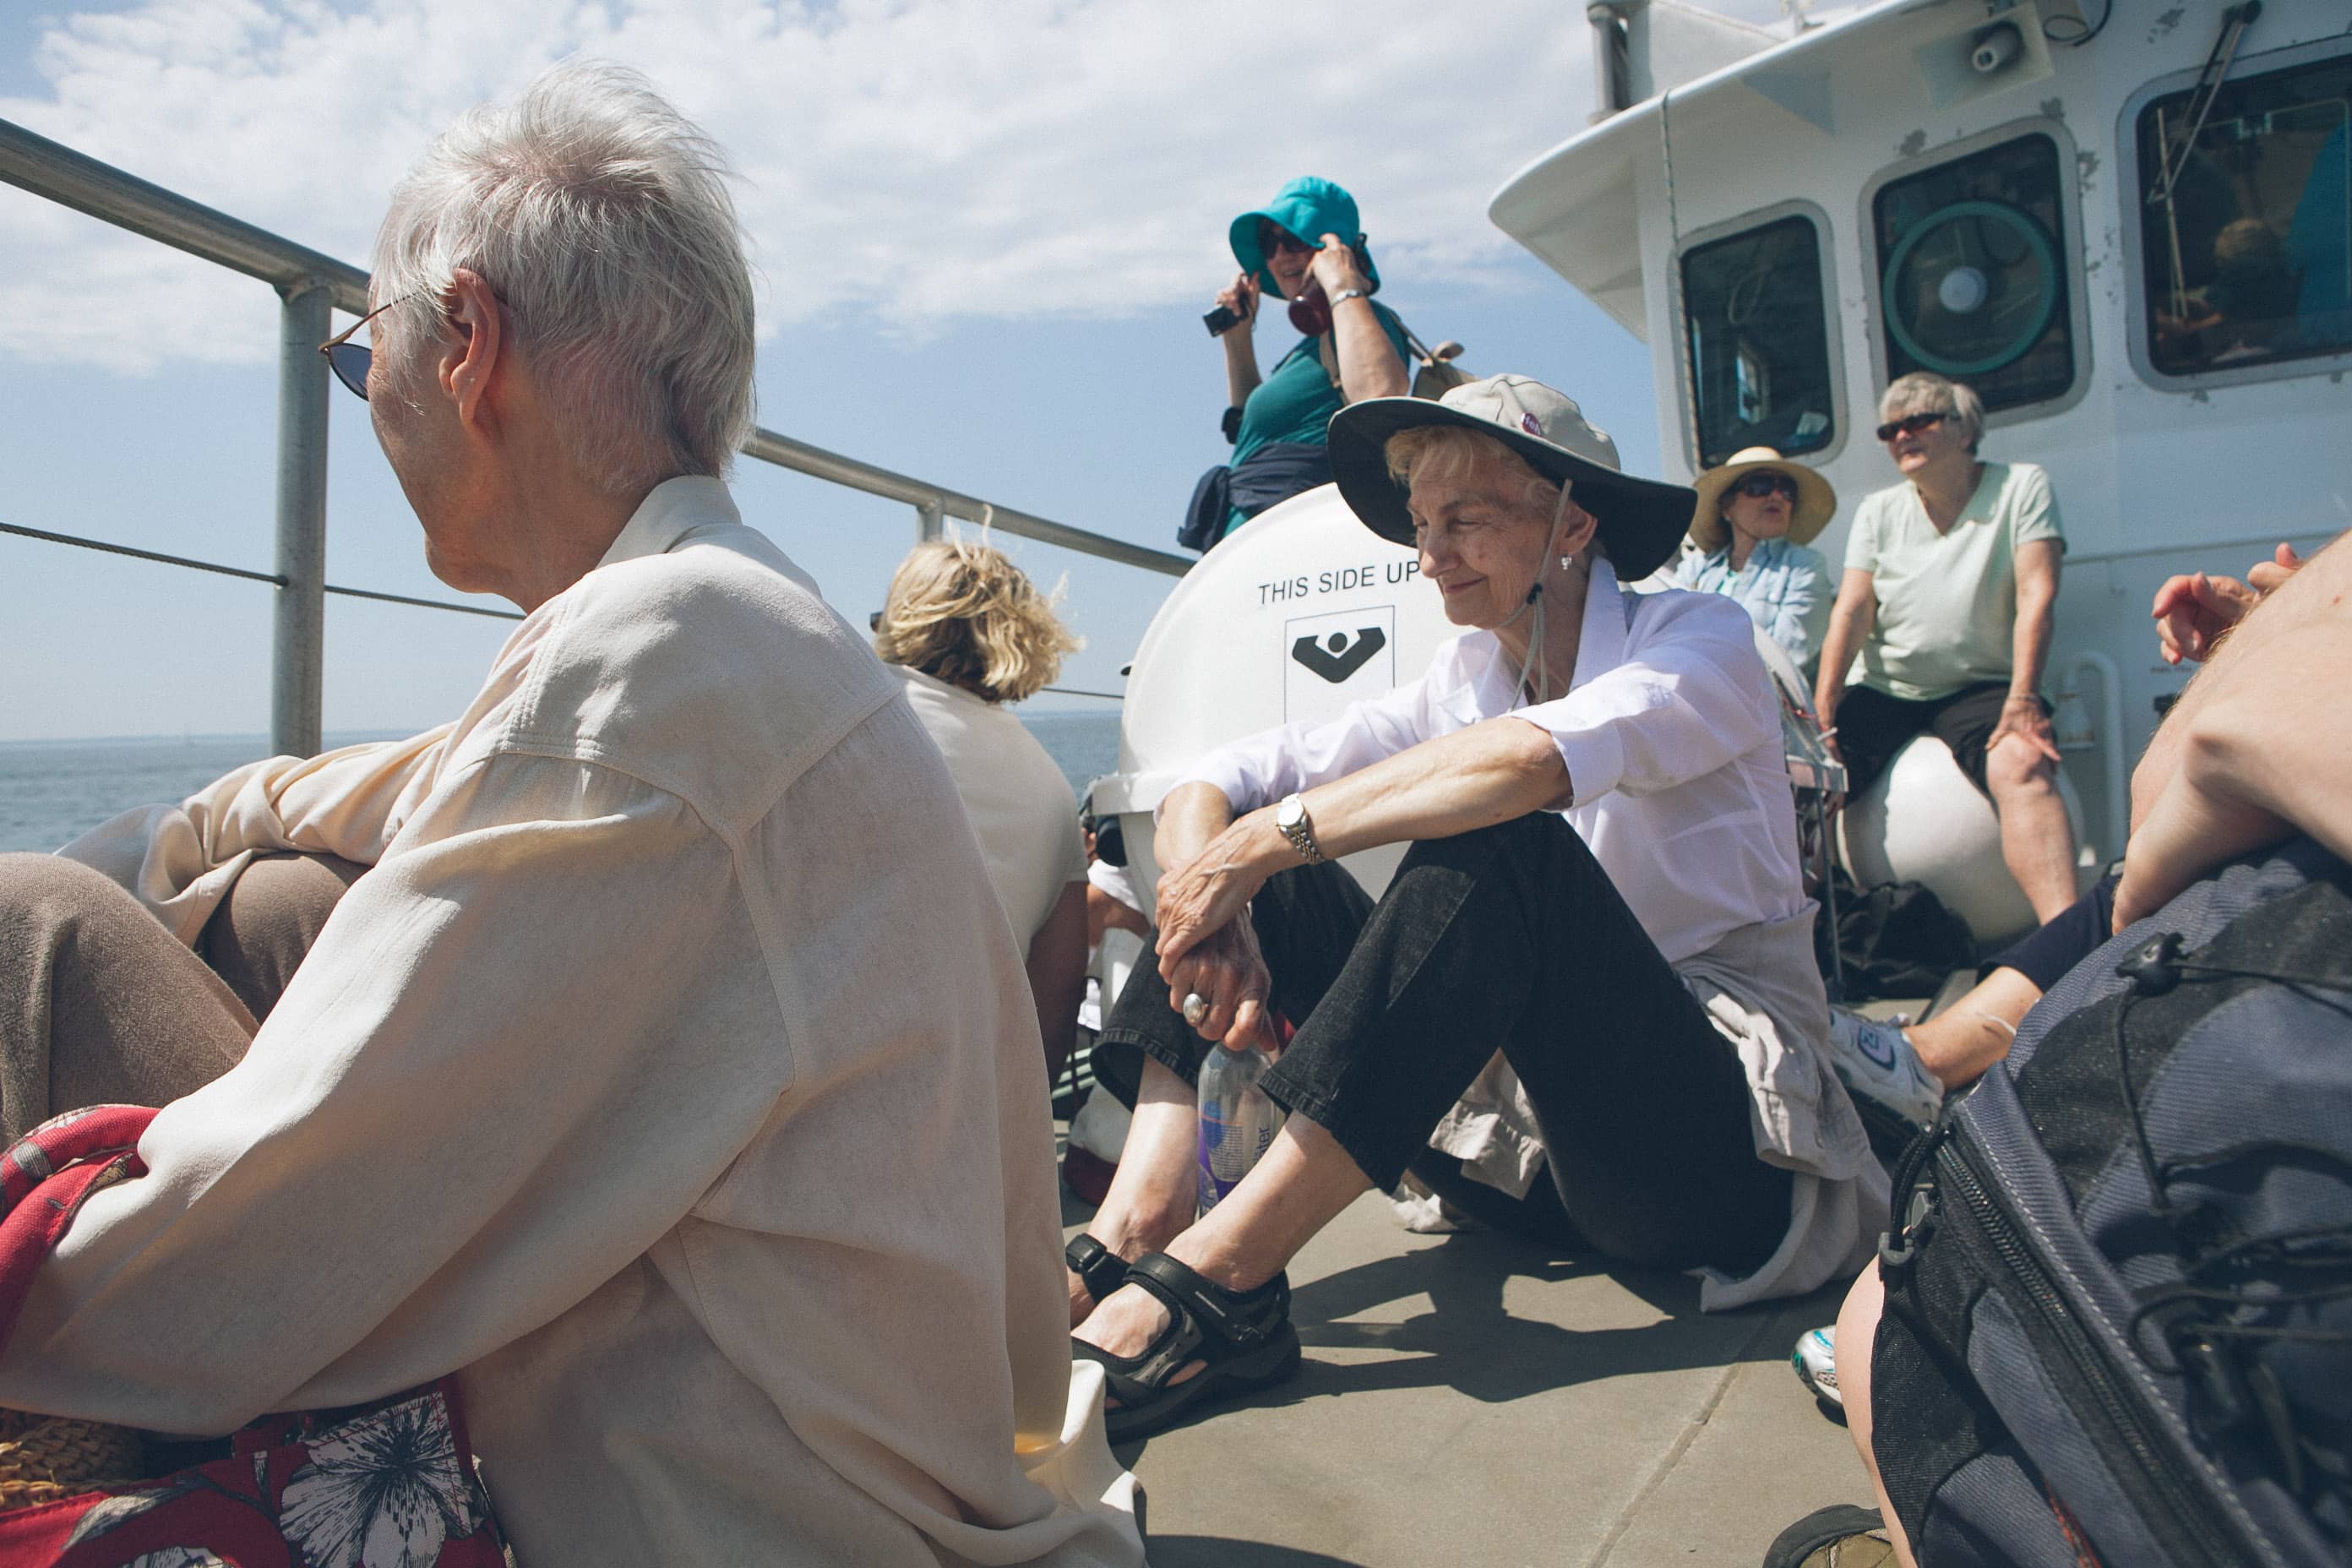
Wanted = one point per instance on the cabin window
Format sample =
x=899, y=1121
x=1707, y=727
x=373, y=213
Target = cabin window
x=1972, y=282
x=1760, y=346
x=2246, y=221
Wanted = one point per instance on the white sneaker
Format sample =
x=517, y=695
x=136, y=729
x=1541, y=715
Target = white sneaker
x=1815, y=1359
x=1876, y=1060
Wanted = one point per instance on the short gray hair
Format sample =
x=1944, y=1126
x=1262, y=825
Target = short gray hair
x=600, y=216
x=1924, y=392
x=1442, y=452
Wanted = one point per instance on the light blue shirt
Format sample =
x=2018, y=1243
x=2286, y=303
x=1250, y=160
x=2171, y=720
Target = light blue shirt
x=1785, y=589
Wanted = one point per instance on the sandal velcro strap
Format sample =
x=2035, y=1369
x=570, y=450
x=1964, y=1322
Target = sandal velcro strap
x=1099, y=1268
x=1241, y=1318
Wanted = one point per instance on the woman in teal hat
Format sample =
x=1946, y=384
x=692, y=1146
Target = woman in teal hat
x=1306, y=247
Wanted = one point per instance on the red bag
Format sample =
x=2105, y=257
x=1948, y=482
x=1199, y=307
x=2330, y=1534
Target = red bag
x=385, y=1485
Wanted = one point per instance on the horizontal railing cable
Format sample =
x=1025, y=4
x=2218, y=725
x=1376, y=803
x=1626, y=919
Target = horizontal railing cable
x=1074, y=691
x=272, y=578
x=269, y=577
x=818, y=463
x=109, y=548
x=426, y=603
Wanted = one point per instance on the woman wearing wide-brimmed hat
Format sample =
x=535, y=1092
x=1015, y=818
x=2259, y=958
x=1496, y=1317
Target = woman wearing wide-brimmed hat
x=1307, y=247
x=1602, y=885
x=1757, y=513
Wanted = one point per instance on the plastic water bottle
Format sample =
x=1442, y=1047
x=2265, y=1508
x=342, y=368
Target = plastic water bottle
x=1237, y=1121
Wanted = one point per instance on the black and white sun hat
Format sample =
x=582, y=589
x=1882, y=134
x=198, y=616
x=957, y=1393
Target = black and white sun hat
x=1642, y=520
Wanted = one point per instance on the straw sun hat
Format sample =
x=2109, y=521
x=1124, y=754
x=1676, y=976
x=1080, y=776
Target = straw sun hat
x=1816, y=501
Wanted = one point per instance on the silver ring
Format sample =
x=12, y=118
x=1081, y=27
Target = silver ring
x=1196, y=1009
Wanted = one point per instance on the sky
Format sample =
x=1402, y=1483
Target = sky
x=983, y=233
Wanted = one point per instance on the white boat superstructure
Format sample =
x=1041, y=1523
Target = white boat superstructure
x=2127, y=230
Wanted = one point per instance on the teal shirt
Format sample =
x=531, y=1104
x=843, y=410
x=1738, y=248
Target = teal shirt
x=1296, y=402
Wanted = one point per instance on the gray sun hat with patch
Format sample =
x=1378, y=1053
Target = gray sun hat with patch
x=1642, y=520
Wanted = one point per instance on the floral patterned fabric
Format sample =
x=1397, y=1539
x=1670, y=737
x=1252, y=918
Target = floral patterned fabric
x=391, y=1486
x=387, y=1485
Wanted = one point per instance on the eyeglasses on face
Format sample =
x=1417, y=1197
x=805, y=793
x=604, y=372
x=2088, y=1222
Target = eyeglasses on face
x=1756, y=486
x=350, y=361
x=1910, y=425
x=1273, y=239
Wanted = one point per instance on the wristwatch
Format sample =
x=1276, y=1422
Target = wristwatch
x=1291, y=817
x=1344, y=295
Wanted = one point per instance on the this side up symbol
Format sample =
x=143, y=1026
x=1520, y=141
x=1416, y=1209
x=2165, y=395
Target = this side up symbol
x=1335, y=658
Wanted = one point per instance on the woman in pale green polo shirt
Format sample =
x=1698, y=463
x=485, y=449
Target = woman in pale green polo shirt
x=1943, y=623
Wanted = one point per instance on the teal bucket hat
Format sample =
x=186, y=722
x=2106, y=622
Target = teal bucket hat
x=1310, y=208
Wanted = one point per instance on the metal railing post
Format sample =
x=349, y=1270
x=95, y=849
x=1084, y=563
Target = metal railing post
x=929, y=523
x=298, y=660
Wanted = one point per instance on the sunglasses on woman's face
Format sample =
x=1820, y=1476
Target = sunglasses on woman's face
x=1756, y=486
x=1273, y=239
x=1910, y=425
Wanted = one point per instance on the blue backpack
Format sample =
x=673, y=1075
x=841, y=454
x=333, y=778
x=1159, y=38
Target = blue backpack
x=2118, y=1324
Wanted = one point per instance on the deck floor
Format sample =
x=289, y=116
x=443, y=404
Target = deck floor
x=1469, y=1399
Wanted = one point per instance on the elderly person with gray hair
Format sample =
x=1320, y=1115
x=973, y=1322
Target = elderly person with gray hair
x=592, y=1089
x=1942, y=624
x=1602, y=885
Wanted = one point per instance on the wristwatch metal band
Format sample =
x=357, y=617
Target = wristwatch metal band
x=1300, y=833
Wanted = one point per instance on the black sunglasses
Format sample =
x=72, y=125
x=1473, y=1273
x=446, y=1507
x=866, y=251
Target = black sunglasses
x=1910, y=425
x=1756, y=486
x=350, y=361
x=1273, y=239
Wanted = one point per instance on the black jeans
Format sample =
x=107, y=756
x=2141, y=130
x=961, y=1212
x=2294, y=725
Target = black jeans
x=1513, y=938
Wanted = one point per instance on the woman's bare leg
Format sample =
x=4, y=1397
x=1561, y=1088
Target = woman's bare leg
x=1298, y=1188
x=1857, y=1330
x=1152, y=1195
x=2037, y=843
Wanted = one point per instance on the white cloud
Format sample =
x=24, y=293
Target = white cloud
x=911, y=161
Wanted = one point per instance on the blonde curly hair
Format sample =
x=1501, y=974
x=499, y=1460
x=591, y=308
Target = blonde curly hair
x=962, y=612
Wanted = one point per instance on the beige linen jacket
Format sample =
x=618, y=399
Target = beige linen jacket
x=671, y=1077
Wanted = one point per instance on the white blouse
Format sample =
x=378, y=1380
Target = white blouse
x=1671, y=734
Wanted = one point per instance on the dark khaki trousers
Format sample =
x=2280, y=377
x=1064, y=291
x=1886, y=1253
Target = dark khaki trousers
x=101, y=1006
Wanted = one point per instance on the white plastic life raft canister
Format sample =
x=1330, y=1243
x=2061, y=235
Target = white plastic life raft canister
x=1923, y=821
x=1300, y=612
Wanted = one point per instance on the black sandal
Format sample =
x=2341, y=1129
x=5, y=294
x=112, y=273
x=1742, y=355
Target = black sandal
x=1099, y=1268
x=1841, y=1534
x=1245, y=1336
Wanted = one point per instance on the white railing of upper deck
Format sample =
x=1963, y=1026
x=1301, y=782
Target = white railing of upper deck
x=312, y=285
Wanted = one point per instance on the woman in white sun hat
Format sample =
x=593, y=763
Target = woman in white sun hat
x=1602, y=886
x=1757, y=513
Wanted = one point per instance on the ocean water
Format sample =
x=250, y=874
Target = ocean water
x=53, y=791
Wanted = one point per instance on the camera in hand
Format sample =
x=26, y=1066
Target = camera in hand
x=1221, y=321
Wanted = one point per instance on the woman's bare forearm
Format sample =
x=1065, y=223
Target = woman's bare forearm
x=1242, y=377
x=1190, y=817
x=1369, y=366
x=2037, y=605
x=1490, y=772
x=1850, y=621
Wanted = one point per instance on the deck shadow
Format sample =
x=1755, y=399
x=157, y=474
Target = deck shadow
x=1468, y=1343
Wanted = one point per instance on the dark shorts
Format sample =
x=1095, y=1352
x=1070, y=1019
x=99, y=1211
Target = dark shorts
x=2046, y=953
x=1872, y=727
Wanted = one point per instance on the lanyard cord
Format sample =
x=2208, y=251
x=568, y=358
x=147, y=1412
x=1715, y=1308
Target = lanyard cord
x=1535, y=601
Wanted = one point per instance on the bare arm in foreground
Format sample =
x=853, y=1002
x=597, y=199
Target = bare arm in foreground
x=2243, y=760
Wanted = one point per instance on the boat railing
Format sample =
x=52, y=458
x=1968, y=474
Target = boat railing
x=310, y=285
